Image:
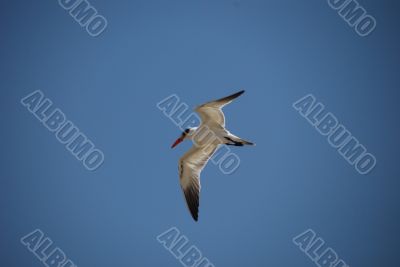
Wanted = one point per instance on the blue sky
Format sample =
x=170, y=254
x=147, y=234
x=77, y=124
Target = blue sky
x=108, y=86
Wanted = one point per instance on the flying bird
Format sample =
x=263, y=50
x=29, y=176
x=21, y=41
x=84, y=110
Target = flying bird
x=207, y=137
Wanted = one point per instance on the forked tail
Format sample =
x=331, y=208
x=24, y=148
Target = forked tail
x=244, y=142
x=236, y=141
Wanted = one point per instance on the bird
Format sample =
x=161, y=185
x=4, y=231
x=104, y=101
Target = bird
x=193, y=161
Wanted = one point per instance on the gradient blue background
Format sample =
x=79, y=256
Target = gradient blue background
x=108, y=86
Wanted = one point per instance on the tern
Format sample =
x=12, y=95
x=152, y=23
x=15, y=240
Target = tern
x=207, y=137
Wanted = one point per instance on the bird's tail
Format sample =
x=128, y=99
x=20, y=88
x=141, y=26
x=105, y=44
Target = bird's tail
x=237, y=141
x=244, y=142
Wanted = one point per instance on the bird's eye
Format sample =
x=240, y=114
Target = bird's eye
x=187, y=131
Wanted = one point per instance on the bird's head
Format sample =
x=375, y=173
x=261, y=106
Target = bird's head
x=186, y=134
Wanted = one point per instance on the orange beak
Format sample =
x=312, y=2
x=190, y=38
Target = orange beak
x=179, y=140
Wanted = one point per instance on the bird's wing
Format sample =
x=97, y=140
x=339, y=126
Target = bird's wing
x=212, y=111
x=190, y=166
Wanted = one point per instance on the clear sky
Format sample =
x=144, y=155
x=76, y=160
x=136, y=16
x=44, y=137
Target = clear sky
x=108, y=86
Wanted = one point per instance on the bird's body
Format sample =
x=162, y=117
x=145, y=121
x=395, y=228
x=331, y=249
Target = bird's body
x=207, y=137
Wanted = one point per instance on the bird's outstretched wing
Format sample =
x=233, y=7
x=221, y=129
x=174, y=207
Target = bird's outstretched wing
x=212, y=111
x=190, y=167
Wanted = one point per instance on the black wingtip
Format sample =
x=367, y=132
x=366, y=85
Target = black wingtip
x=233, y=96
x=239, y=93
x=195, y=214
x=192, y=201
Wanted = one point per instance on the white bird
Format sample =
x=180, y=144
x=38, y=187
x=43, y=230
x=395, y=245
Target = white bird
x=207, y=137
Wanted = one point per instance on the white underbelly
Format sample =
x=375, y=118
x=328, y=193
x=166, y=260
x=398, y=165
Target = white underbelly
x=205, y=135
